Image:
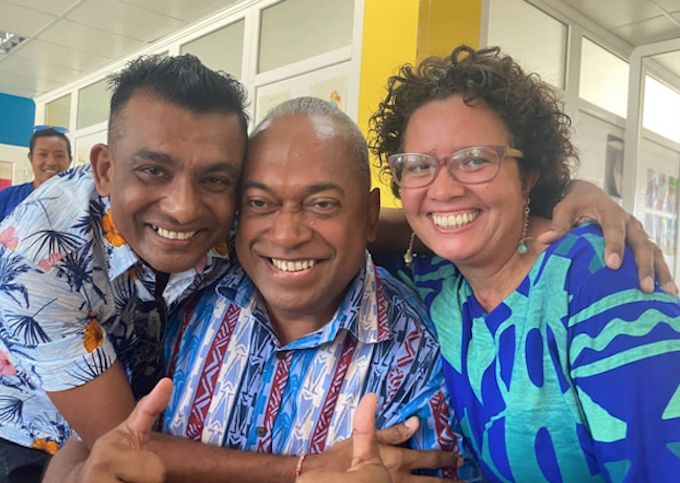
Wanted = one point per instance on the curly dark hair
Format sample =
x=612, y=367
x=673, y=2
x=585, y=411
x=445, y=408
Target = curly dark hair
x=528, y=107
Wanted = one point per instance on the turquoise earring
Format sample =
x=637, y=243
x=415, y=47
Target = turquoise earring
x=522, y=247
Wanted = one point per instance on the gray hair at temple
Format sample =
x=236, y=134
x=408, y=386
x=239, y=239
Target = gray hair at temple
x=307, y=106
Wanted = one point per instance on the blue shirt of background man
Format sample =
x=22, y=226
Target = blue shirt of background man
x=10, y=197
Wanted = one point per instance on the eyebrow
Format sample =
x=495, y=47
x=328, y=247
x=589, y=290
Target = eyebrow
x=310, y=190
x=166, y=159
x=45, y=150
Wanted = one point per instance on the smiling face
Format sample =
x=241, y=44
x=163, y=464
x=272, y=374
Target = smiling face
x=49, y=157
x=305, y=217
x=170, y=175
x=464, y=223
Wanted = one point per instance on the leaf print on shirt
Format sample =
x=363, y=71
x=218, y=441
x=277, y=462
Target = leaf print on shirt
x=8, y=239
x=10, y=267
x=112, y=234
x=77, y=267
x=53, y=241
x=11, y=409
x=93, y=365
x=27, y=327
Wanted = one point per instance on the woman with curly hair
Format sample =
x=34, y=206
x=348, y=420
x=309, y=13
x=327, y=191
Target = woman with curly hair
x=559, y=368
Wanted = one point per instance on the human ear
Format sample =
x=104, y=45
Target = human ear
x=102, y=168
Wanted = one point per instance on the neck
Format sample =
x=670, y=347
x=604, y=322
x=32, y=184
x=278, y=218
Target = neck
x=290, y=326
x=35, y=184
x=494, y=279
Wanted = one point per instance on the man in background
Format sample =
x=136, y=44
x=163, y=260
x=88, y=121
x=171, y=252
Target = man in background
x=49, y=154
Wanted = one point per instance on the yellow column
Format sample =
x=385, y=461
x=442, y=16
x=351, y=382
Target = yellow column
x=406, y=31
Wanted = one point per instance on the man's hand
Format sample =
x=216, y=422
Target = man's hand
x=367, y=466
x=120, y=455
x=586, y=202
x=399, y=462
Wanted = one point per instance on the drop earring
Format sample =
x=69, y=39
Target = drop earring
x=522, y=247
x=408, y=256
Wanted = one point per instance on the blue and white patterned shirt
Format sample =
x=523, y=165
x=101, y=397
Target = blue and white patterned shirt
x=67, y=279
x=235, y=386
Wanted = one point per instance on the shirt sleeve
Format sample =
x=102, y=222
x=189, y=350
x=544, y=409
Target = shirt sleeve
x=48, y=326
x=624, y=354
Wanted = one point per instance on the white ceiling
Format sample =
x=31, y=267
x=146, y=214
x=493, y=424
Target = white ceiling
x=67, y=39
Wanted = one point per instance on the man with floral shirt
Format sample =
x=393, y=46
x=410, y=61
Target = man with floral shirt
x=90, y=264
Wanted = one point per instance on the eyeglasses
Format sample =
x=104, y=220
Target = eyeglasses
x=473, y=165
x=42, y=127
x=150, y=320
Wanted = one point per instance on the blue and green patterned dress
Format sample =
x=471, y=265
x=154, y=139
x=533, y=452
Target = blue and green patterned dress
x=574, y=378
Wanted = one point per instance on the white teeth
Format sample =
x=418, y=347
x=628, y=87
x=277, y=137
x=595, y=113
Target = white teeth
x=173, y=235
x=287, y=266
x=454, y=221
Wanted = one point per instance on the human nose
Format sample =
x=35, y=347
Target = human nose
x=289, y=228
x=444, y=186
x=181, y=201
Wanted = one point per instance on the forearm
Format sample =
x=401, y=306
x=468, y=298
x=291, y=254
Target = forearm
x=188, y=461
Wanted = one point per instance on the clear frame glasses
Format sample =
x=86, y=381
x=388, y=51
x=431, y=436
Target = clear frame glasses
x=473, y=165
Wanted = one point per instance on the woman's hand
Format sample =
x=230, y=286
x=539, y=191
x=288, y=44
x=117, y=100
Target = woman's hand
x=584, y=201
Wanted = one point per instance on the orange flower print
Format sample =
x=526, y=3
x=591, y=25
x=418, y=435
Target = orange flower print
x=45, y=445
x=94, y=336
x=222, y=248
x=6, y=366
x=132, y=272
x=8, y=239
x=112, y=234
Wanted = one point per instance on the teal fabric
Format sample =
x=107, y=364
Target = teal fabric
x=574, y=378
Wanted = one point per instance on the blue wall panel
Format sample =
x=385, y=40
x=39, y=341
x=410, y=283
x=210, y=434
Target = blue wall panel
x=17, y=115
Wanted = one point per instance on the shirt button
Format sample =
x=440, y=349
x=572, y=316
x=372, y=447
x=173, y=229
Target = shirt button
x=261, y=431
x=280, y=355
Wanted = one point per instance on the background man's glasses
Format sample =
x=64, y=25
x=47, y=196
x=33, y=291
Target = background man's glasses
x=473, y=165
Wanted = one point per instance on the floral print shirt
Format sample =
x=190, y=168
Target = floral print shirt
x=68, y=283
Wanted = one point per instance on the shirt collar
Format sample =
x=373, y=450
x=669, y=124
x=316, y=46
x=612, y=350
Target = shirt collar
x=362, y=311
x=120, y=258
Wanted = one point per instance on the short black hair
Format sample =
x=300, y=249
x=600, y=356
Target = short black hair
x=181, y=80
x=48, y=133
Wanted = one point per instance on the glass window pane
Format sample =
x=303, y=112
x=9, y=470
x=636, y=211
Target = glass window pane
x=294, y=30
x=93, y=104
x=532, y=37
x=661, y=107
x=221, y=49
x=58, y=112
x=604, y=78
